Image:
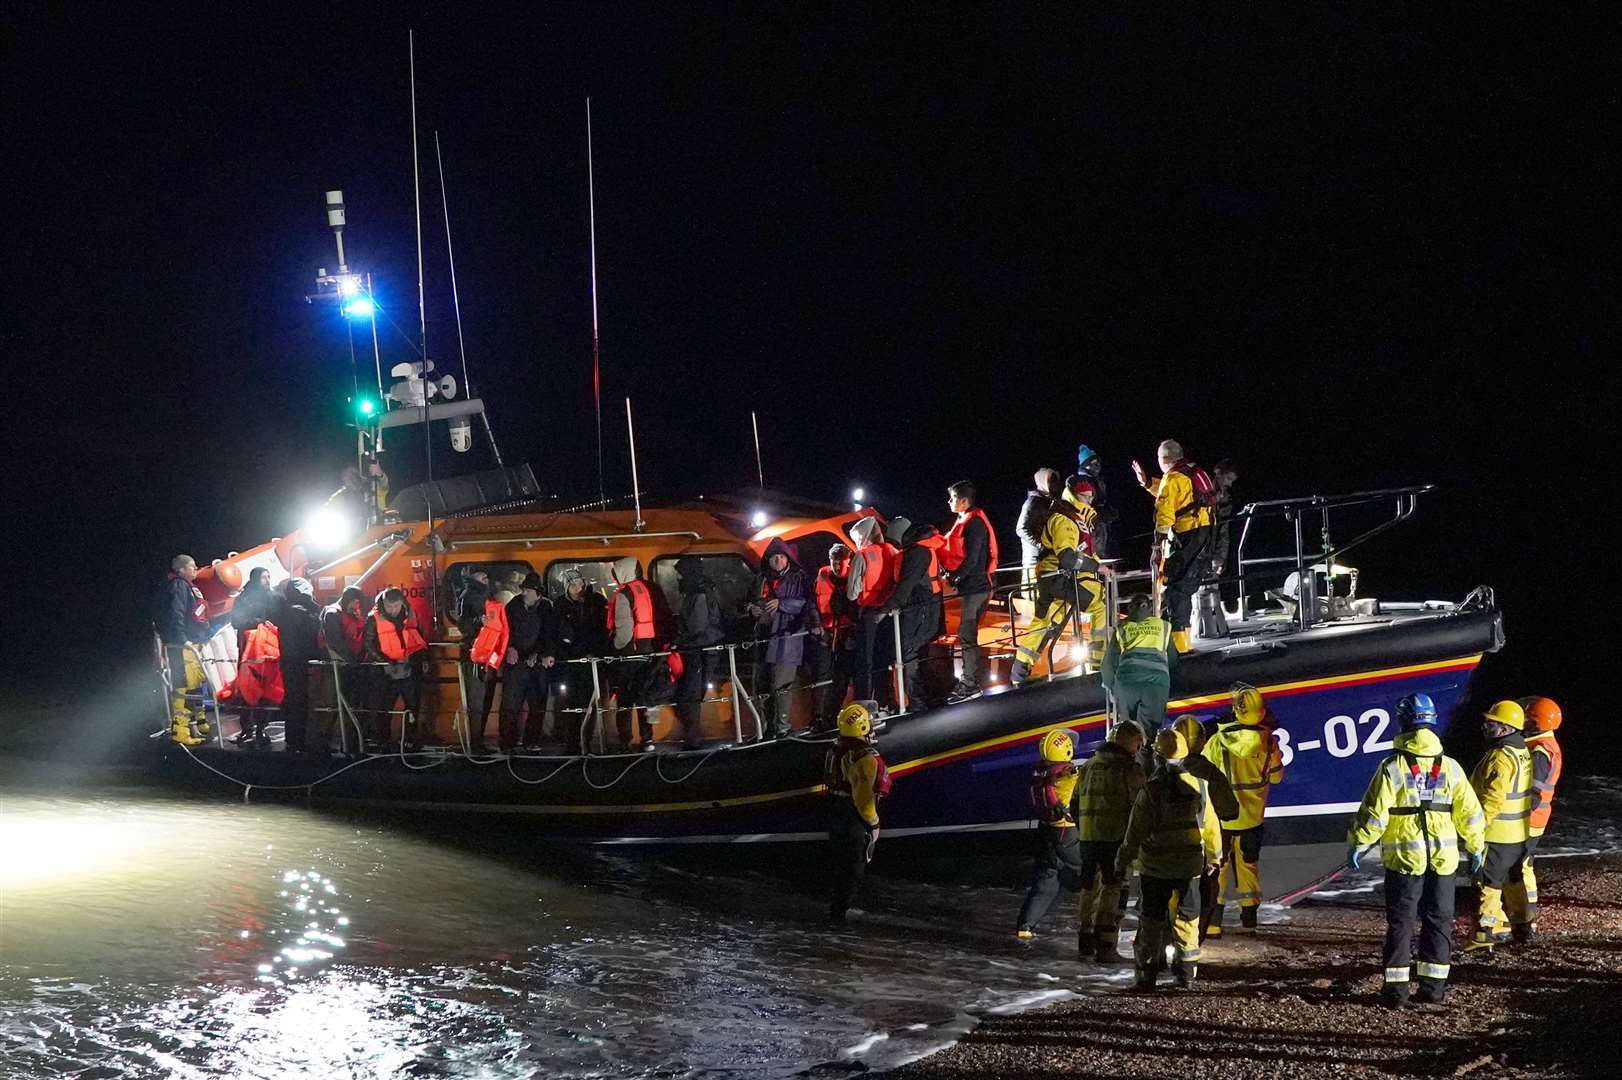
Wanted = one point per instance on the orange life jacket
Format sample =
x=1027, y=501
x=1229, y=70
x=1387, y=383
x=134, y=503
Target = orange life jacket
x=880, y=574
x=935, y=545
x=259, y=676
x=1543, y=790
x=490, y=645
x=398, y=641
x=642, y=628
x=830, y=590
x=952, y=556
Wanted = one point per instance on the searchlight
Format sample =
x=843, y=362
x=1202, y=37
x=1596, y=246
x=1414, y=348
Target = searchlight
x=327, y=528
x=360, y=307
x=758, y=520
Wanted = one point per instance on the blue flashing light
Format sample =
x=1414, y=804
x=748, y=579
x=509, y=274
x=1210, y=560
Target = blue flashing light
x=359, y=308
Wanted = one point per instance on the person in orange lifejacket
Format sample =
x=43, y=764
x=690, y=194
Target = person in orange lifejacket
x=487, y=653
x=343, y=636
x=836, y=644
x=918, y=603
x=1542, y=720
x=633, y=631
x=394, y=640
x=970, y=559
x=870, y=583
x=258, y=685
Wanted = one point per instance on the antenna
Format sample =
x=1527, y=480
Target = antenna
x=636, y=488
x=422, y=316
x=596, y=381
x=760, y=470
x=456, y=299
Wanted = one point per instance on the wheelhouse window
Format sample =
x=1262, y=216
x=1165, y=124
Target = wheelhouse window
x=732, y=577
x=597, y=572
x=454, y=585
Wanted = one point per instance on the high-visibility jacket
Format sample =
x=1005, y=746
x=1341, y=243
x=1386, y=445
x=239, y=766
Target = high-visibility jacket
x=642, y=628
x=399, y=641
x=259, y=674
x=1545, y=776
x=1176, y=509
x=490, y=646
x=1052, y=784
x=881, y=571
x=1069, y=530
x=953, y=554
x=1250, y=758
x=1420, y=807
x=857, y=772
x=1106, y=786
x=1173, y=830
x=1503, y=783
x=1142, y=652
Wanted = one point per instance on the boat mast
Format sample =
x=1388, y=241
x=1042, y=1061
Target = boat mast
x=760, y=470
x=422, y=317
x=596, y=379
x=456, y=299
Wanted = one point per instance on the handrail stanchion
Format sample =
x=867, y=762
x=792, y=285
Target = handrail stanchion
x=338, y=710
x=596, y=706
x=898, y=676
x=737, y=705
x=1306, y=595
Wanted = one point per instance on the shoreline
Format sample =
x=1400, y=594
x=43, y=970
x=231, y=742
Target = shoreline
x=1300, y=1000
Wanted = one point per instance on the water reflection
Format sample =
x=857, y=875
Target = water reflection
x=150, y=937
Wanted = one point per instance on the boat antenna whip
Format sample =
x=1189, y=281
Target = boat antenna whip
x=456, y=299
x=596, y=381
x=422, y=322
x=760, y=470
x=636, y=488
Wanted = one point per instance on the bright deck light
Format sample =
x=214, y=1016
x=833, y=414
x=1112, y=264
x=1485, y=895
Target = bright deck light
x=327, y=528
x=359, y=308
x=758, y=520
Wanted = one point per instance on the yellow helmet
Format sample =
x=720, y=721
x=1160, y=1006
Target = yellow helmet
x=1188, y=726
x=1248, y=704
x=856, y=720
x=1171, y=745
x=1507, y=713
x=1058, y=746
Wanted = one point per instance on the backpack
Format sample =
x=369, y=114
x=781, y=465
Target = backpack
x=1205, y=492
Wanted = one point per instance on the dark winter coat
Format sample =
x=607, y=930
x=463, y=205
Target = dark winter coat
x=252, y=606
x=177, y=619
x=783, y=630
x=469, y=613
x=531, y=630
x=1033, y=518
x=922, y=613
x=698, y=624
x=582, y=625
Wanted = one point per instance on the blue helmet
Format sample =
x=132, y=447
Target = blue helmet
x=1416, y=710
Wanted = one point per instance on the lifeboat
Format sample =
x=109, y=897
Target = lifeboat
x=1331, y=663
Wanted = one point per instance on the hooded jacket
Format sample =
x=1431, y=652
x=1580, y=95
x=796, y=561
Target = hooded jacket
x=1420, y=807
x=1173, y=828
x=867, y=535
x=792, y=591
x=252, y=606
x=1033, y=518
x=922, y=612
x=296, y=619
x=469, y=613
x=699, y=621
x=1249, y=756
x=531, y=630
x=343, y=636
x=581, y=624
x=625, y=572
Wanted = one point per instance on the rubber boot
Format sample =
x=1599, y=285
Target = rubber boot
x=1180, y=639
x=182, y=733
x=1213, y=929
x=1106, y=948
x=1020, y=673
x=1247, y=918
x=1431, y=992
x=1144, y=979
x=1184, y=974
x=1394, y=995
x=1524, y=934
x=1484, y=940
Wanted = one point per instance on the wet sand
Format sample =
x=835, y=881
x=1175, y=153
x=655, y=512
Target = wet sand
x=1301, y=1000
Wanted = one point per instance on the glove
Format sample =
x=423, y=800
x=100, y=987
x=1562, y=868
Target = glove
x=1354, y=859
x=1475, y=863
x=872, y=842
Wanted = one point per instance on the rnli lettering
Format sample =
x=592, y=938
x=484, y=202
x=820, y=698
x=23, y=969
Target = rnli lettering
x=414, y=592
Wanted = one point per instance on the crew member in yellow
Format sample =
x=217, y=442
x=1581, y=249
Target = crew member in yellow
x=1503, y=783
x=1421, y=809
x=1066, y=577
x=181, y=620
x=1106, y=787
x=1543, y=718
x=1222, y=801
x=1246, y=750
x=1139, y=665
x=1058, y=859
x=1184, y=502
x=857, y=779
x=1173, y=832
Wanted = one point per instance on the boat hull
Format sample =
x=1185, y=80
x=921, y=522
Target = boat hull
x=960, y=772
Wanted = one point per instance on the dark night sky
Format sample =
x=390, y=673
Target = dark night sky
x=924, y=242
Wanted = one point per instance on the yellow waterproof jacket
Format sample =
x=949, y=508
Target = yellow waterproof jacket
x=1175, y=510
x=1250, y=758
x=1106, y=785
x=1503, y=783
x=1063, y=532
x=1173, y=831
x=1420, y=807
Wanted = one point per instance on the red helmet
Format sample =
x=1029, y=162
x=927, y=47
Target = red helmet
x=1542, y=714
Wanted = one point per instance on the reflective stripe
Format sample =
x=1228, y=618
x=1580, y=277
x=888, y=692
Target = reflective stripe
x=1434, y=808
x=1428, y=970
x=1396, y=974
x=1516, y=795
x=1518, y=815
x=1256, y=896
x=1192, y=956
x=1438, y=842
